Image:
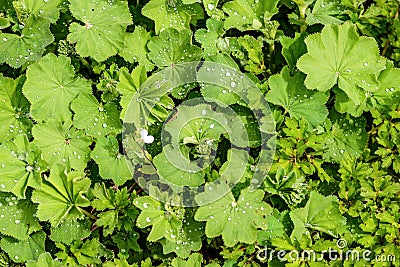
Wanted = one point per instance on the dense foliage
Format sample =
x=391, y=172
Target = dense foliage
x=70, y=69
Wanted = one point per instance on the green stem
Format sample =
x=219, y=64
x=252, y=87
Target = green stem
x=86, y=64
x=302, y=18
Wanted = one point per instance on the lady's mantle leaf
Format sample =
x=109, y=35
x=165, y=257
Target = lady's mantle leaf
x=194, y=261
x=135, y=48
x=44, y=260
x=247, y=15
x=339, y=55
x=290, y=93
x=94, y=118
x=320, y=213
x=347, y=136
x=21, y=166
x=62, y=143
x=104, y=25
x=172, y=47
x=165, y=223
x=48, y=10
x=61, y=196
x=17, y=217
x=166, y=16
x=14, y=108
x=25, y=250
x=236, y=220
x=16, y=50
x=189, y=239
x=169, y=164
x=50, y=87
x=112, y=164
x=129, y=84
x=70, y=230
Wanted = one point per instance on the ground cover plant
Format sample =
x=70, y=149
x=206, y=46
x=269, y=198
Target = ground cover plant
x=199, y=133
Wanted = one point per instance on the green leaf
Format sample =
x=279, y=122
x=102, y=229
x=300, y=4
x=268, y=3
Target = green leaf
x=49, y=10
x=247, y=15
x=141, y=97
x=172, y=47
x=61, y=196
x=50, y=87
x=194, y=260
x=290, y=93
x=104, y=23
x=135, y=48
x=44, y=260
x=287, y=185
x=254, y=61
x=236, y=220
x=17, y=217
x=119, y=263
x=14, y=109
x=29, y=46
x=389, y=86
x=171, y=171
x=200, y=123
x=320, y=213
x=347, y=136
x=95, y=118
x=324, y=12
x=338, y=55
x=116, y=203
x=21, y=166
x=293, y=48
x=177, y=16
x=112, y=164
x=85, y=253
x=164, y=222
x=129, y=84
x=210, y=38
x=70, y=230
x=62, y=143
x=189, y=239
x=25, y=250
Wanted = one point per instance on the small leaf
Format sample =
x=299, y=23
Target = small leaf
x=320, y=213
x=177, y=16
x=14, y=109
x=172, y=47
x=95, y=118
x=62, y=143
x=247, y=15
x=17, y=217
x=347, y=136
x=50, y=87
x=29, y=46
x=290, y=93
x=61, y=196
x=21, y=166
x=104, y=23
x=194, y=260
x=164, y=222
x=21, y=251
x=70, y=230
x=44, y=260
x=112, y=164
x=135, y=48
x=236, y=220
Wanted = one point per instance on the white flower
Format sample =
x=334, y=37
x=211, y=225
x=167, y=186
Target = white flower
x=148, y=139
